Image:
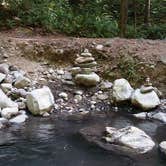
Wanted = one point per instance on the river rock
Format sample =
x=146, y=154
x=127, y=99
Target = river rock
x=145, y=101
x=5, y=101
x=131, y=137
x=162, y=147
x=4, y=68
x=6, y=87
x=87, y=79
x=87, y=65
x=161, y=116
x=122, y=90
x=19, y=118
x=2, y=77
x=40, y=101
x=86, y=53
x=84, y=60
x=9, y=112
x=22, y=82
x=142, y=115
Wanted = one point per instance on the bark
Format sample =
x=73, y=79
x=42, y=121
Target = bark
x=123, y=17
x=147, y=12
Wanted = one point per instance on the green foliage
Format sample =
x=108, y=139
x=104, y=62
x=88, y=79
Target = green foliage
x=85, y=18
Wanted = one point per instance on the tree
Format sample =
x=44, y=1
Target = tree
x=147, y=12
x=123, y=17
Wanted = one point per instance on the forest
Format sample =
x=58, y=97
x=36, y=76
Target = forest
x=88, y=18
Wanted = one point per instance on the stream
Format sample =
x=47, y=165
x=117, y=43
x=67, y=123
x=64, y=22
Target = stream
x=54, y=141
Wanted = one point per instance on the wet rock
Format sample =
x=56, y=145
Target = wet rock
x=142, y=115
x=2, y=77
x=22, y=82
x=40, y=101
x=158, y=116
x=6, y=101
x=122, y=90
x=131, y=137
x=87, y=79
x=162, y=147
x=146, y=101
x=19, y=118
x=9, y=112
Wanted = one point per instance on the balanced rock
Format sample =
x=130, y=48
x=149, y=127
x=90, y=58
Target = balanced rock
x=40, y=101
x=122, y=90
x=130, y=137
x=84, y=73
x=145, y=101
x=87, y=79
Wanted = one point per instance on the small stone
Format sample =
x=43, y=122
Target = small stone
x=46, y=114
x=78, y=97
x=75, y=70
x=67, y=76
x=142, y=115
x=2, y=77
x=102, y=96
x=63, y=95
x=84, y=60
x=145, y=89
x=4, y=68
x=86, y=53
x=78, y=92
x=99, y=47
x=87, y=65
x=22, y=82
x=60, y=72
x=106, y=85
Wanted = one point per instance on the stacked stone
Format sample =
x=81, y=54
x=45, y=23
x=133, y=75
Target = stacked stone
x=84, y=70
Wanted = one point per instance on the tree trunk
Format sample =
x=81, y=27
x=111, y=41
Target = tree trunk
x=147, y=12
x=135, y=15
x=123, y=17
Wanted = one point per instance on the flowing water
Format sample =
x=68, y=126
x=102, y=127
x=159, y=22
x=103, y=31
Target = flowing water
x=54, y=142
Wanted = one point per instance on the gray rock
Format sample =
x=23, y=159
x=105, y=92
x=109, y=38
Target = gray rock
x=63, y=95
x=145, y=101
x=40, y=101
x=75, y=70
x=6, y=101
x=87, y=65
x=102, y=96
x=4, y=68
x=6, y=87
x=87, y=79
x=145, y=89
x=86, y=53
x=106, y=85
x=162, y=147
x=9, y=112
x=158, y=116
x=131, y=137
x=22, y=82
x=122, y=90
x=142, y=115
x=84, y=60
x=99, y=47
x=2, y=77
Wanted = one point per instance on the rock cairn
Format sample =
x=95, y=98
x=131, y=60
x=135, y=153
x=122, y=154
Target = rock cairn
x=84, y=70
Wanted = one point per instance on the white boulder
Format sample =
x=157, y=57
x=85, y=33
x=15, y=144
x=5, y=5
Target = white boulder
x=9, y=112
x=131, y=137
x=40, y=101
x=87, y=79
x=2, y=77
x=5, y=101
x=161, y=116
x=122, y=90
x=145, y=101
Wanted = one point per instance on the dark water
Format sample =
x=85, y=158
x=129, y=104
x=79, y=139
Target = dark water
x=53, y=142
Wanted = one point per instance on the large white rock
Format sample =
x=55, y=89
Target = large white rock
x=40, y=101
x=87, y=79
x=6, y=101
x=162, y=147
x=145, y=101
x=19, y=118
x=9, y=112
x=122, y=90
x=161, y=116
x=131, y=137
